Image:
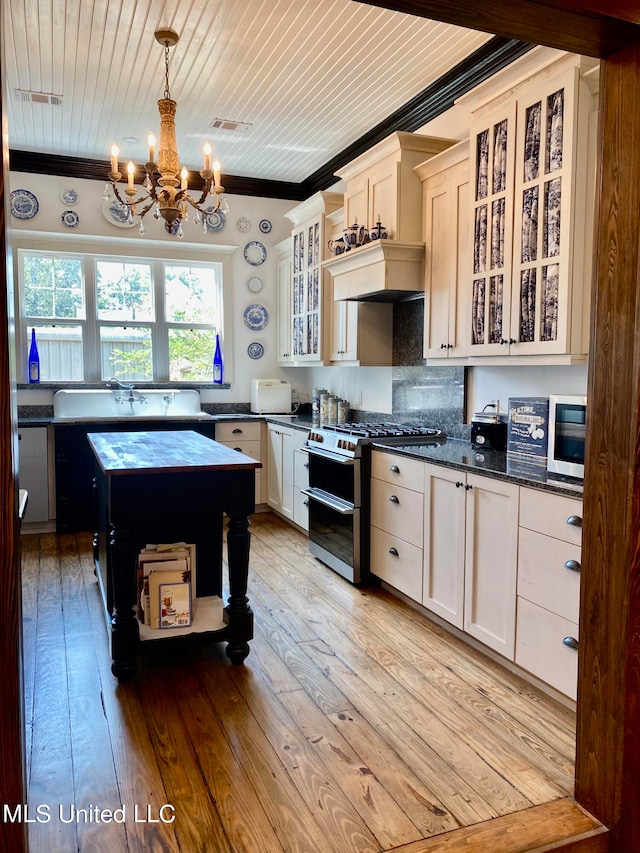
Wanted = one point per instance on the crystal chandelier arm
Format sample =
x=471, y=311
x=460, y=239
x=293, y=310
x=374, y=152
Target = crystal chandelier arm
x=133, y=202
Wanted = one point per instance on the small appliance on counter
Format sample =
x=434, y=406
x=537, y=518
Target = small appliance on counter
x=270, y=397
x=489, y=429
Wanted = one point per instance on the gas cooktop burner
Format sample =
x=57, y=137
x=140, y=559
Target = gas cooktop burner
x=381, y=430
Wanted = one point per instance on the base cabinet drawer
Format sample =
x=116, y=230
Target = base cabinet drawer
x=397, y=562
x=397, y=510
x=549, y=573
x=553, y=515
x=541, y=650
x=398, y=470
x=229, y=431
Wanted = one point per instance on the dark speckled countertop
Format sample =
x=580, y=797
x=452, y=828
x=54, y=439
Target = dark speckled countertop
x=500, y=465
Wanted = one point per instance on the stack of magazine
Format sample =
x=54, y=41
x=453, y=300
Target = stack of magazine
x=166, y=585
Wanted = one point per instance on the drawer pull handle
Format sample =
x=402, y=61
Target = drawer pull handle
x=239, y=449
x=570, y=642
x=393, y=551
x=394, y=499
x=575, y=520
x=237, y=431
x=394, y=469
x=572, y=565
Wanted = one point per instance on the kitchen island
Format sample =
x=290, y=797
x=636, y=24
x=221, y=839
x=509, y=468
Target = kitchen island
x=163, y=487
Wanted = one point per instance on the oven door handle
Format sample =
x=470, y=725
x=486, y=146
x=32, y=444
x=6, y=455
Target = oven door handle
x=341, y=507
x=334, y=457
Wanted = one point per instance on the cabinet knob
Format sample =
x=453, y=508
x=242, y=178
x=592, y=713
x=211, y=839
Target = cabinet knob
x=443, y=346
x=394, y=469
x=570, y=642
x=306, y=464
x=513, y=341
x=306, y=503
x=394, y=499
x=572, y=565
x=449, y=346
x=237, y=431
x=468, y=487
x=503, y=341
x=393, y=551
x=575, y=520
x=458, y=484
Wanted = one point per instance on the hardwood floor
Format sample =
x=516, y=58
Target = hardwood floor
x=354, y=725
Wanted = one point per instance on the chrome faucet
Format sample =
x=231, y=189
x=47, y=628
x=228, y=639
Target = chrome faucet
x=129, y=386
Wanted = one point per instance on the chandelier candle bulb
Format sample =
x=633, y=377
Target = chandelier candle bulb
x=130, y=171
x=114, y=158
x=151, y=142
x=216, y=173
x=184, y=175
x=206, y=150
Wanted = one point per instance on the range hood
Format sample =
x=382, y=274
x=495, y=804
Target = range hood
x=380, y=271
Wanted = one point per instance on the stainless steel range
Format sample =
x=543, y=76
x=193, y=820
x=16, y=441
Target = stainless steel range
x=339, y=471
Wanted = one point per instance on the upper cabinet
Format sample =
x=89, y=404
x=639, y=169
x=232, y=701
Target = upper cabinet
x=381, y=185
x=308, y=302
x=532, y=192
x=446, y=227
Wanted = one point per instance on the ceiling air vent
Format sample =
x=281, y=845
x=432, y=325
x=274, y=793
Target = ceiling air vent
x=228, y=124
x=26, y=96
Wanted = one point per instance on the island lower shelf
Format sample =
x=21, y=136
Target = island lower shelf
x=208, y=617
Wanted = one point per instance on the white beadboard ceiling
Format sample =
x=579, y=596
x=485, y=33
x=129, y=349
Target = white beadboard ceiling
x=308, y=77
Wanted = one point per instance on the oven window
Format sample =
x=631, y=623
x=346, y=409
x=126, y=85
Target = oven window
x=332, y=531
x=570, y=432
x=332, y=477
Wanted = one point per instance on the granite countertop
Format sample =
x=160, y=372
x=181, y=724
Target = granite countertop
x=458, y=454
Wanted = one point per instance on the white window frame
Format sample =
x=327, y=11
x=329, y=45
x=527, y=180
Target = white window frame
x=91, y=251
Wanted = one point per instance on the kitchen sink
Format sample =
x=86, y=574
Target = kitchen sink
x=127, y=404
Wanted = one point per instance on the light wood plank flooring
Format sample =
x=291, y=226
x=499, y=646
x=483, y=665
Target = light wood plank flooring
x=354, y=725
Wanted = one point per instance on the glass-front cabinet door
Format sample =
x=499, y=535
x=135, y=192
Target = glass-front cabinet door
x=306, y=309
x=493, y=155
x=544, y=211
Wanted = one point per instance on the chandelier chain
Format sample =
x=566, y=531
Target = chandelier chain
x=167, y=93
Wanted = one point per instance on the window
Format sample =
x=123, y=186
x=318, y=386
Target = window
x=138, y=319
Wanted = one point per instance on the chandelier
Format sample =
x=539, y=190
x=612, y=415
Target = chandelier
x=167, y=194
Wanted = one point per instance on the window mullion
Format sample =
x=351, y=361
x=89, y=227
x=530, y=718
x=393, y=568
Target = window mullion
x=161, y=339
x=92, y=366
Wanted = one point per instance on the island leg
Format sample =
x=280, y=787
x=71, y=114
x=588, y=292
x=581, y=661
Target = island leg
x=125, y=634
x=238, y=616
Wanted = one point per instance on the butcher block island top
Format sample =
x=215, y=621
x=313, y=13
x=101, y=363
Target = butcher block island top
x=164, y=452
x=169, y=487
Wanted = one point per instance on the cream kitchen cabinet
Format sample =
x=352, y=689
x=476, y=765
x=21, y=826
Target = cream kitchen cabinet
x=300, y=480
x=33, y=472
x=397, y=485
x=470, y=554
x=246, y=437
x=381, y=184
x=280, y=469
x=532, y=187
x=445, y=180
x=549, y=556
x=308, y=309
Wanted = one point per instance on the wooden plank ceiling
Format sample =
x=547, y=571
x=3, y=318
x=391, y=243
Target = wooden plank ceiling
x=308, y=76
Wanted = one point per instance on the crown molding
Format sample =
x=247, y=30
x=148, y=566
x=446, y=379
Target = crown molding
x=493, y=56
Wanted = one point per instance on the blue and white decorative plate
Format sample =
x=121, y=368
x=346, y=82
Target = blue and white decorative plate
x=255, y=284
x=70, y=219
x=256, y=317
x=265, y=226
x=243, y=225
x=69, y=196
x=24, y=205
x=215, y=221
x=118, y=214
x=172, y=227
x=255, y=350
x=255, y=253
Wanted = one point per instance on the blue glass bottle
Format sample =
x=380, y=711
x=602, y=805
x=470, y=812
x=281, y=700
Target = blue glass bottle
x=218, y=370
x=34, y=359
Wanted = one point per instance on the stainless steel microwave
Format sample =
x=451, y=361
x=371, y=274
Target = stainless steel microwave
x=567, y=431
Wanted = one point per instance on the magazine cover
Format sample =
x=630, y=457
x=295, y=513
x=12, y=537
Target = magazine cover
x=174, y=603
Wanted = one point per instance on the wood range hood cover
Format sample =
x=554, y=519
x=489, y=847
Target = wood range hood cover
x=380, y=271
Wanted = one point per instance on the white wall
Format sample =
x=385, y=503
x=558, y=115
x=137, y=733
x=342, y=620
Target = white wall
x=488, y=384
x=47, y=224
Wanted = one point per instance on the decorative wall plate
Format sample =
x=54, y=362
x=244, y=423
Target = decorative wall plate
x=255, y=350
x=264, y=226
x=255, y=284
x=256, y=317
x=243, y=225
x=118, y=214
x=70, y=219
x=24, y=205
x=215, y=220
x=255, y=253
x=173, y=227
x=69, y=196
